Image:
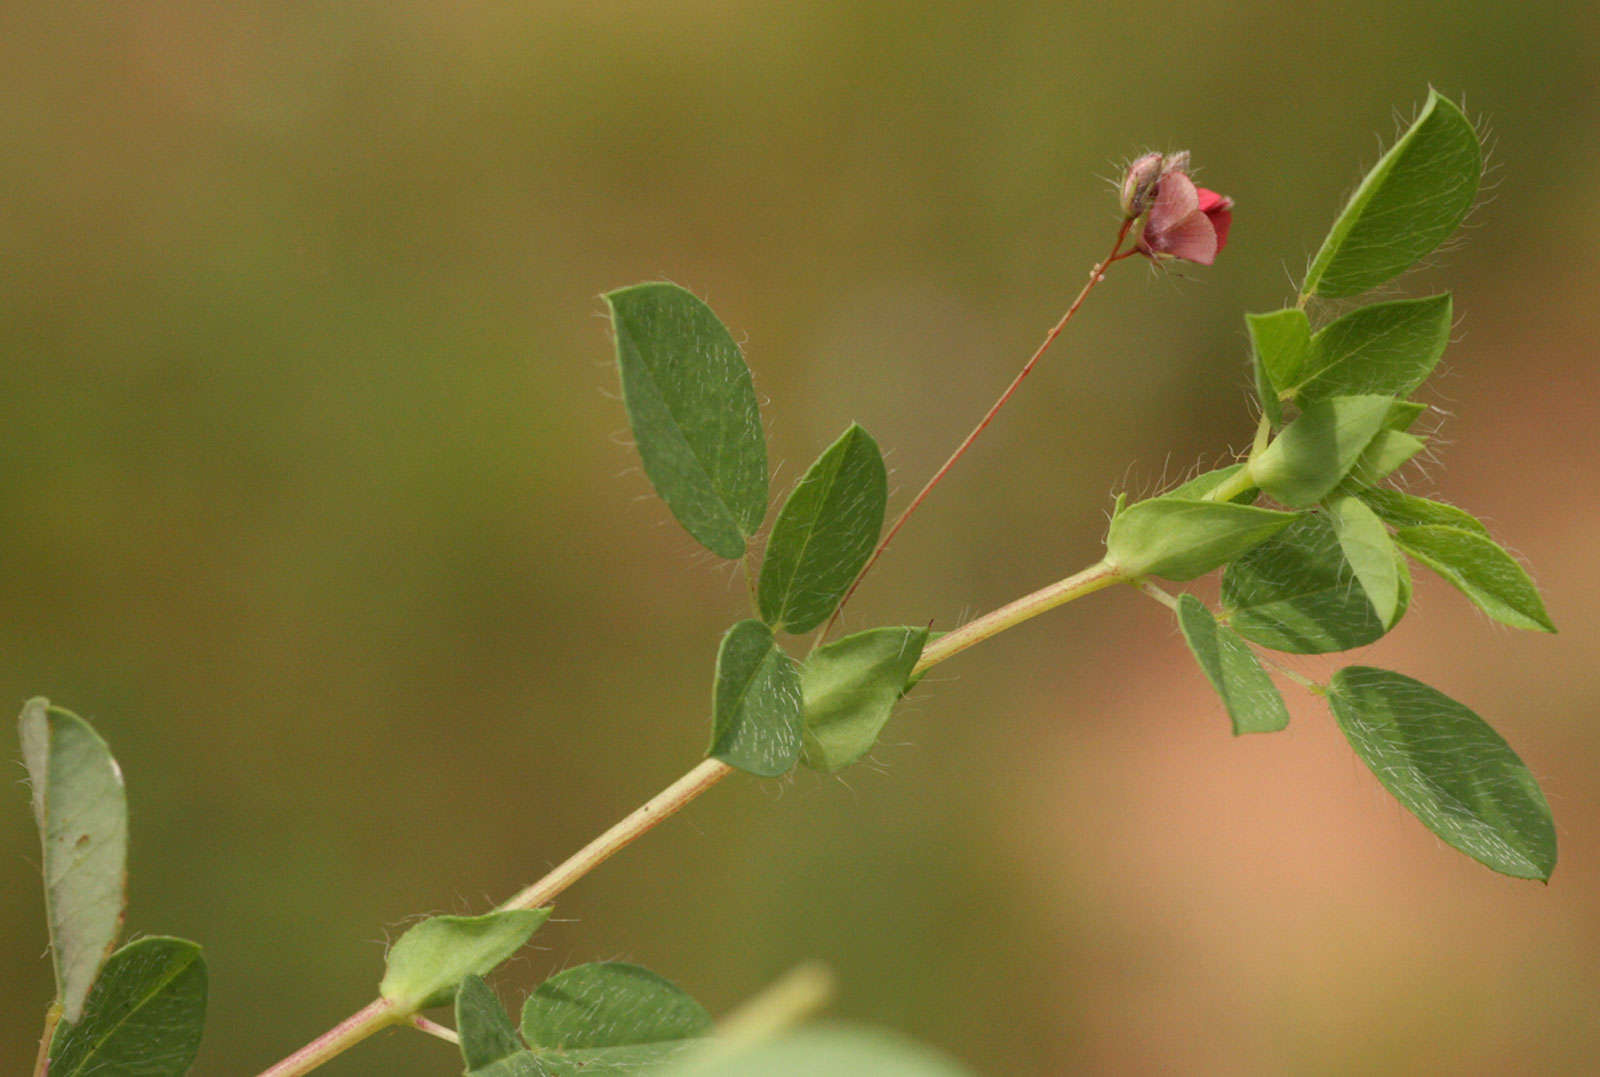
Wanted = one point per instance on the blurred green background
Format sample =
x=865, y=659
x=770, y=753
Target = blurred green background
x=318, y=501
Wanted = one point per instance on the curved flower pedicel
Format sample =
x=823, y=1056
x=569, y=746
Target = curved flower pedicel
x=1181, y=220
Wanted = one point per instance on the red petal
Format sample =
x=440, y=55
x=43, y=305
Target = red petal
x=1175, y=200
x=1218, y=210
x=1193, y=240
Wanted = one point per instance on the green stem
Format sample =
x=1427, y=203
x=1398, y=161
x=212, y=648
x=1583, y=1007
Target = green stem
x=52, y=1016
x=433, y=1028
x=1232, y=486
x=655, y=810
x=381, y=1013
x=374, y=1017
x=1097, y=576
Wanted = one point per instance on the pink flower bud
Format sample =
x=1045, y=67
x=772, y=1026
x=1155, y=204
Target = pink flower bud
x=1185, y=221
x=1139, y=185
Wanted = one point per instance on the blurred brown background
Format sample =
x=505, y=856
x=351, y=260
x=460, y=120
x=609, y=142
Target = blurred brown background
x=318, y=501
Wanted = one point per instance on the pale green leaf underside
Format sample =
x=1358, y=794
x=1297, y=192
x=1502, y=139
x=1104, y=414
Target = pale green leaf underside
x=144, y=1017
x=1178, y=539
x=824, y=534
x=1477, y=566
x=1448, y=768
x=693, y=411
x=1370, y=553
x=428, y=962
x=82, y=815
x=1314, y=453
x=1253, y=702
x=756, y=709
x=1411, y=200
x=1386, y=453
x=1280, y=342
x=850, y=687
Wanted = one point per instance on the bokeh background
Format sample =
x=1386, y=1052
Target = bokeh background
x=318, y=499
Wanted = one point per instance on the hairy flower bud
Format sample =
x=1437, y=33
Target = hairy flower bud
x=1139, y=185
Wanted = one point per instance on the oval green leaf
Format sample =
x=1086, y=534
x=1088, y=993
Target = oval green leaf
x=1296, y=593
x=1314, y=453
x=1388, y=349
x=1406, y=510
x=1253, y=702
x=610, y=1015
x=1411, y=200
x=1280, y=342
x=489, y=1043
x=82, y=815
x=850, y=687
x=1477, y=566
x=428, y=962
x=1448, y=768
x=693, y=411
x=756, y=708
x=824, y=534
x=1370, y=553
x=144, y=1017
x=1178, y=539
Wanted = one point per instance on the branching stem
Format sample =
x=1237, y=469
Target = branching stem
x=1096, y=275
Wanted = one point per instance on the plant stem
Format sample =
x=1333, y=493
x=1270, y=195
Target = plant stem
x=377, y=1015
x=1097, y=576
x=655, y=810
x=1096, y=275
x=433, y=1028
x=52, y=1016
x=382, y=1013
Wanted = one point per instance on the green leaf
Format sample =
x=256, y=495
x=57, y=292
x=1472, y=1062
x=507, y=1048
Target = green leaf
x=1178, y=539
x=1387, y=349
x=489, y=1042
x=1280, y=343
x=693, y=411
x=824, y=534
x=1202, y=484
x=827, y=1050
x=1314, y=453
x=756, y=708
x=1252, y=700
x=1476, y=565
x=1296, y=593
x=1385, y=454
x=1370, y=553
x=1414, y=197
x=610, y=1017
x=1405, y=510
x=849, y=687
x=1448, y=768
x=426, y=964
x=144, y=1017
x=82, y=814
x=1403, y=414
